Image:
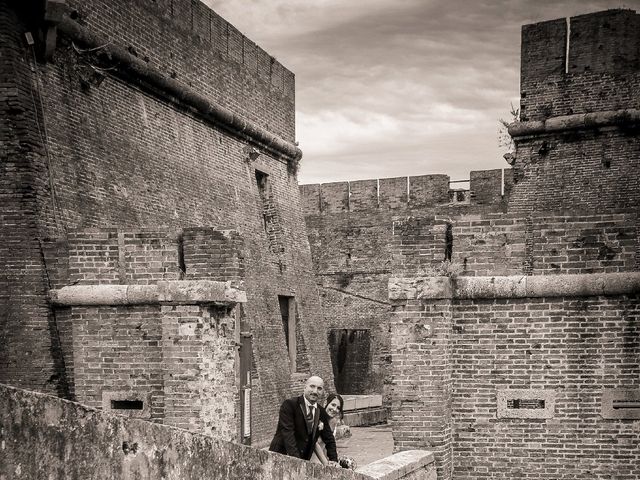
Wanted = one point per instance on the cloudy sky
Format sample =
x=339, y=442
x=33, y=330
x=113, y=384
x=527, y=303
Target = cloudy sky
x=389, y=88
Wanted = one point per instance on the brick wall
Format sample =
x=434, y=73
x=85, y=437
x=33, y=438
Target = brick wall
x=489, y=189
x=178, y=360
x=36, y=363
x=200, y=379
x=421, y=410
x=594, y=167
x=125, y=156
x=506, y=244
x=350, y=227
x=188, y=41
x=602, y=69
x=118, y=349
x=582, y=171
x=465, y=351
x=574, y=346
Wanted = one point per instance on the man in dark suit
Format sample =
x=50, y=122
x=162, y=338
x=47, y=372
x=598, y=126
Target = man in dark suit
x=301, y=422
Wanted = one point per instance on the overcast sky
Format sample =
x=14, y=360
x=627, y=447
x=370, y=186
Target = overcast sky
x=389, y=88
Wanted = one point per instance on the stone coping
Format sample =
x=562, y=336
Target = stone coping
x=397, y=465
x=576, y=121
x=180, y=292
x=520, y=286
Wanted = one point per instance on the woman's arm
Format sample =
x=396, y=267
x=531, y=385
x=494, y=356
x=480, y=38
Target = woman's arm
x=319, y=449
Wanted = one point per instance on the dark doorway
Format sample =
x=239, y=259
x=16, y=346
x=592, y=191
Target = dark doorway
x=350, y=357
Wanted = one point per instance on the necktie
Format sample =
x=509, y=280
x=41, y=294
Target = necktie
x=310, y=412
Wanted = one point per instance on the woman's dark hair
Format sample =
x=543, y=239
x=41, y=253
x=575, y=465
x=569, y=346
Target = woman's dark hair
x=333, y=396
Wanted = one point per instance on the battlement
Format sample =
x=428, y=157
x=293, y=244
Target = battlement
x=563, y=60
x=486, y=187
x=144, y=256
x=605, y=42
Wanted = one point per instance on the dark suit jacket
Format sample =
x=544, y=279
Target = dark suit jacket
x=292, y=436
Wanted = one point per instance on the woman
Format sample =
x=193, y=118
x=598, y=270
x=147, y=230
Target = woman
x=334, y=407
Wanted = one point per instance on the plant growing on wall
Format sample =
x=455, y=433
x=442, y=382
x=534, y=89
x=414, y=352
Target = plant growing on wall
x=504, y=139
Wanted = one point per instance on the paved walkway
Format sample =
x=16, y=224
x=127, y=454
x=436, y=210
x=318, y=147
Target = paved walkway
x=367, y=444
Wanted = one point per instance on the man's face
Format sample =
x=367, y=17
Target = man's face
x=313, y=389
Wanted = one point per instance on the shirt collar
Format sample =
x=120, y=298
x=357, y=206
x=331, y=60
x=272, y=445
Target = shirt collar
x=309, y=404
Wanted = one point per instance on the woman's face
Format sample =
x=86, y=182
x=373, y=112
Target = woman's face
x=333, y=408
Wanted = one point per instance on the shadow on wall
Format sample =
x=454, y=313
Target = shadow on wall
x=350, y=351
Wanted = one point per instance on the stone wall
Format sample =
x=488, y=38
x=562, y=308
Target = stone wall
x=46, y=437
x=146, y=115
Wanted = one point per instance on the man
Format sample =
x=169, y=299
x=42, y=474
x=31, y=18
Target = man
x=301, y=421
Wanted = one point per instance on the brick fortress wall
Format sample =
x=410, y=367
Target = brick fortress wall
x=455, y=354
x=177, y=360
x=522, y=358
x=577, y=141
x=350, y=227
x=117, y=150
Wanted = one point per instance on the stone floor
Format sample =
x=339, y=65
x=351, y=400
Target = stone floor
x=367, y=444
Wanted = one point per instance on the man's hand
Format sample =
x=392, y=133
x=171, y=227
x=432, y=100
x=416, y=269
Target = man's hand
x=333, y=464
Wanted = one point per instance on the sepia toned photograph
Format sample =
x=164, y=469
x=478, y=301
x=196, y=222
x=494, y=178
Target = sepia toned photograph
x=294, y=239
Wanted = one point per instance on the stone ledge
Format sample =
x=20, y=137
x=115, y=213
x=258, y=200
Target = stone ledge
x=355, y=402
x=521, y=286
x=574, y=122
x=180, y=292
x=365, y=417
x=398, y=465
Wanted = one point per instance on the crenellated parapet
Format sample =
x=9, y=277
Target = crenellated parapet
x=577, y=136
x=486, y=187
x=581, y=64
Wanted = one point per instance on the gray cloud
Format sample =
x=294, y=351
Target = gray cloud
x=399, y=87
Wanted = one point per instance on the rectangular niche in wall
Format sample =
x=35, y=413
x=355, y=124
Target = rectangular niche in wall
x=619, y=403
x=526, y=403
x=132, y=404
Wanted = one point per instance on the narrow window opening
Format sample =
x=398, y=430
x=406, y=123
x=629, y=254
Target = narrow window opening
x=181, y=263
x=448, y=238
x=288, y=314
x=127, y=404
x=262, y=180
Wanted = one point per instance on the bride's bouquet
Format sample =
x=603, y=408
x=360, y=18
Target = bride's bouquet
x=347, y=462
